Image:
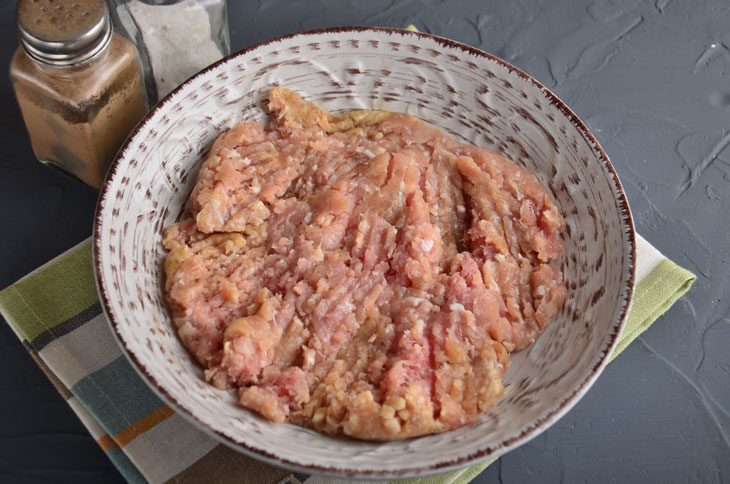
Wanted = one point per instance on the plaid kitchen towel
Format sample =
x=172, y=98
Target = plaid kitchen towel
x=56, y=313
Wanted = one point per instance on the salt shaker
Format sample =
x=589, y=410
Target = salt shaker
x=79, y=85
x=175, y=38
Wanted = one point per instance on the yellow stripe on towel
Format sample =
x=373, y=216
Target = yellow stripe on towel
x=105, y=442
x=141, y=426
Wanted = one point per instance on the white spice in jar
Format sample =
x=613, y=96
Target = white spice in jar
x=178, y=39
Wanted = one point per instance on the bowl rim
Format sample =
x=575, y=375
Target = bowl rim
x=481, y=455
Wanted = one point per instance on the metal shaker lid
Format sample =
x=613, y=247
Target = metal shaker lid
x=63, y=32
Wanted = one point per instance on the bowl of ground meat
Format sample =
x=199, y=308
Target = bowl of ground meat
x=365, y=252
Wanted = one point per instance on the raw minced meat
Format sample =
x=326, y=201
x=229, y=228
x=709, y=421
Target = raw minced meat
x=362, y=273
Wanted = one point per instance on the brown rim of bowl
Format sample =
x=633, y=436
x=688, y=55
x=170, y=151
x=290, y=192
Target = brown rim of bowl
x=474, y=458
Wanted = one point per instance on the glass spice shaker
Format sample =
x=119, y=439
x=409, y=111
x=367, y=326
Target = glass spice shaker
x=175, y=38
x=79, y=85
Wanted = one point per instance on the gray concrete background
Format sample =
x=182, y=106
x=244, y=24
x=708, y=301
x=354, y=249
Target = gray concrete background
x=650, y=78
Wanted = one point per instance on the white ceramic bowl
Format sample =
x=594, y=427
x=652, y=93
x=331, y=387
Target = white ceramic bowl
x=468, y=94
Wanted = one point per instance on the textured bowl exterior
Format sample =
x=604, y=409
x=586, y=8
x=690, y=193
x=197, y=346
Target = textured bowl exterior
x=465, y=92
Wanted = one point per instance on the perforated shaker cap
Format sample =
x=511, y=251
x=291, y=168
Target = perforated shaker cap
x=63, y=32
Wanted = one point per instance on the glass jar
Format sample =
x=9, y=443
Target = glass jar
x=175, y=38
x=79, y=85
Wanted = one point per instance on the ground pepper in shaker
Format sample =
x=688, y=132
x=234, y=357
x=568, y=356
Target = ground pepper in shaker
x=175, y=38
x=79, y=85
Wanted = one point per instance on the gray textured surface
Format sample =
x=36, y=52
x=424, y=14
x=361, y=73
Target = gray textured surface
x=649, y=78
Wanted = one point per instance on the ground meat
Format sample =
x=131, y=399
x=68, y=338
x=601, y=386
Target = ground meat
x=361, y=274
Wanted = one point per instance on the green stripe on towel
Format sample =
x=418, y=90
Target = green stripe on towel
x=462, y=476
x=56, y=293
x=67, y=326
x=654, y=294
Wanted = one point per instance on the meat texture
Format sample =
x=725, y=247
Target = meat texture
x=362, y=273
